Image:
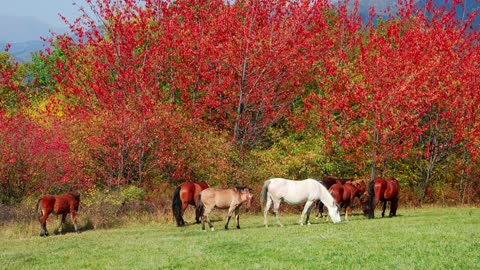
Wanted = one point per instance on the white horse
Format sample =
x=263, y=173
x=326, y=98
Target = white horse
x=293, y=192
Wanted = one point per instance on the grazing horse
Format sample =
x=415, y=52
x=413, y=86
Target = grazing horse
x=185, y=194
x=381, y=190
x=59, y=205
x=328, y=182
x=231, y=198
x=344, y=194
x=293, y=192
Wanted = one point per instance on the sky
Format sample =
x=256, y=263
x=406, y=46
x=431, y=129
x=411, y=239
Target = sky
x=43, y=10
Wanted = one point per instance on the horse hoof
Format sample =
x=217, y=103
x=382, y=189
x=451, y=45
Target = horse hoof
x=238, y=227
x=266, y=226
x=212, y=229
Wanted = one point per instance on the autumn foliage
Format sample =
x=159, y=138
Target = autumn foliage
x=148, y=92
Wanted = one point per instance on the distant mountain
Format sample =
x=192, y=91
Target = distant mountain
x=22, y=50
x=24, y=35
x=381, y=6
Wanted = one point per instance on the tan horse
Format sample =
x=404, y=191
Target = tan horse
x=232, y=199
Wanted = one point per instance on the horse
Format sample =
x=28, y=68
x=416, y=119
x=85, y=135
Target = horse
x=231, y=198
x=328, y=182
x=294, y=192
x=381, y=190
x=344, y=194
x=59, y=205
x=185, y=194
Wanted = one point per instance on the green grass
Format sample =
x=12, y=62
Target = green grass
x=433, y=238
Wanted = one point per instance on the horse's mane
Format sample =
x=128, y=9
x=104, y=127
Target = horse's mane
x=241, y=188
x=74, y=195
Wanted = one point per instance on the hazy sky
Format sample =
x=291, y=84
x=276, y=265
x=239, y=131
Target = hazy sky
x=45, y=10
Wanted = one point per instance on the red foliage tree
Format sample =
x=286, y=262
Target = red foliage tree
x=389, y=76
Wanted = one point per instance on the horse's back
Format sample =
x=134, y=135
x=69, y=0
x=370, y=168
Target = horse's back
x=386, y=189
x=392, y=189
x=217, y=197
x=59, y=204
x=187, y=192
x=47, y=203
x=293, y=191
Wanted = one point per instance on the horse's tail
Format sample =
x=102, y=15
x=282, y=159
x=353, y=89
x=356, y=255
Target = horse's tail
x=39, y=207
x=177, y=206
x=200, y=207
x=263, y=193
x=371, y=199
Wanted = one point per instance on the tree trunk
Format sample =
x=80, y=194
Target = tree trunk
x=240, y=109
x=463, y=177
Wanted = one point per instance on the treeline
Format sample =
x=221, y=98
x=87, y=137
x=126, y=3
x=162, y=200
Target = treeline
x=234, y=92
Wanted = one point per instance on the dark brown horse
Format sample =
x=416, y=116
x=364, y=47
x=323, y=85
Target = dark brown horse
x=231, y=198
x=344, y=194
x=60, y=205
x=328, y=182
x=381, y=190
x=185, y=194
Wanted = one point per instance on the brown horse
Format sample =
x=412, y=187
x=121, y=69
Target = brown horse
x=185, y=194
x=328, y=182
x=344, y=194
x=381, y=190
x=232, y=199
x=60, y=205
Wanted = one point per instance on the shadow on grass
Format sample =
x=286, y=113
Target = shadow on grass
x=69, y=228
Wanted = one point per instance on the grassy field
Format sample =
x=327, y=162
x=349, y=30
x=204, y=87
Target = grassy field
x=432, y=238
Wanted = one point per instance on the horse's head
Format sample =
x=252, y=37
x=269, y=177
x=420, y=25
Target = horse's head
x=75, y=195
x=246, y=195
x=334, y=213
x=364, y=201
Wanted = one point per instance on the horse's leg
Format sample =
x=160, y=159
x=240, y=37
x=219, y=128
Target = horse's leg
x=393, y=207
x=348, y=208
x=308, y=214
x=304, y=212
x=237, y=217
x=384, y=207
x=73, y=215
x=197, y=214
x=205, y=216
x=265, y=211
x=184, y=207
x=319, y=210
x=229, y=215
x=43, y=223
x=60, y=228
x=276, y=206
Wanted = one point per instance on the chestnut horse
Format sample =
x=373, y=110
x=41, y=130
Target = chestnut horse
x=231, y=198
x=328, y=182
x=381, y=190
x=344, y=194
x=185, y=194
x=60, y=205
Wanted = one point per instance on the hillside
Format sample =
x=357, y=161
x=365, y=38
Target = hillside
x=23, y=34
